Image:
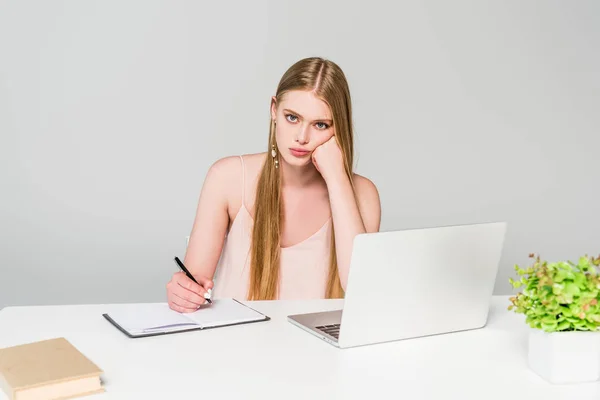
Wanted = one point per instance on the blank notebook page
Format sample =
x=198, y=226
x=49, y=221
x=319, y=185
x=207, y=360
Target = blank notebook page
x=137, y=318
x=224, y=312
x=158, y=317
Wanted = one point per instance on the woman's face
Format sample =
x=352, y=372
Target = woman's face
x=303, y=122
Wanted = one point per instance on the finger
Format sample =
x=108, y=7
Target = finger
x=192, y=297
x=180, y=305
x=181, y=309
x=205, y=282
x=175, y=307
x=185, y=302
x=207, y=285
x=176, y=299
x=187, y=283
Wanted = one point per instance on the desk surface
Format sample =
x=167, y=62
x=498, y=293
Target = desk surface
x=277, y=360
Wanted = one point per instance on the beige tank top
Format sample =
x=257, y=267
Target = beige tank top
x=304, y=267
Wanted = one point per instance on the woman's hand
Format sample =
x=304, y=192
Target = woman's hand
x=184, y=295
x=329, y=160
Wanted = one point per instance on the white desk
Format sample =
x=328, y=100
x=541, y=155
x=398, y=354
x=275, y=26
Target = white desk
x=276, y=360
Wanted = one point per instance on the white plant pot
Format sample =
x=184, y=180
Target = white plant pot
x=565, y=357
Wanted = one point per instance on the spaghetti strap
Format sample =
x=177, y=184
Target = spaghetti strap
x=243, y=179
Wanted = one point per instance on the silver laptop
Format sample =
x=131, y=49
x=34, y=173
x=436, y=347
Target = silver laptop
x=413, y=283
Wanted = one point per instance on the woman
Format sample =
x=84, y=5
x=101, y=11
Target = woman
x=264, y=226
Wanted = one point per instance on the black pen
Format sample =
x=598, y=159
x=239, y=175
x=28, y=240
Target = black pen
x=184, y=269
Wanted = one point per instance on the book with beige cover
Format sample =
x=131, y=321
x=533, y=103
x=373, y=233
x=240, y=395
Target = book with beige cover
x=47, y=370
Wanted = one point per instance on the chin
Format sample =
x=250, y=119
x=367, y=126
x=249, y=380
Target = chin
x=297, y=162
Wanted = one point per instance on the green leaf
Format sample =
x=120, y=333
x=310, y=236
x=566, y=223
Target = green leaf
x=557, y=288
x=584, y=262
x=547, y=288
x=595, y=318
x=580, y=281
x=566, y=311
x=579, y=324
x=563, y=326
x=515, y=284
x=590, y=325
x=575, y=309
x=562, y=299
x=549, y=327
x=568, y=298
x=560, y=276
x=549, y=320
x=572, y=289
x=524, y=281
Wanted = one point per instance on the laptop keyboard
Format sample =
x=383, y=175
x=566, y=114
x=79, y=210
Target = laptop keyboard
x=331, y=330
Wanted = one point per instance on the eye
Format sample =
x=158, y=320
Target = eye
x=324, y=125
x=288, y=116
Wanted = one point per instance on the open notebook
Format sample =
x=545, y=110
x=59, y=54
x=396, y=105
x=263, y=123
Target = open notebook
x=149, y=319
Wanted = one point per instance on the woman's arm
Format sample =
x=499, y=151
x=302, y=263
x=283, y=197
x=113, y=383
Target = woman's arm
x=352, y=216
x=212, y=218
x=206, y=240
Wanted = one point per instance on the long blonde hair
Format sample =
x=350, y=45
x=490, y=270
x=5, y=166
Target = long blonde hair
x=327, y=81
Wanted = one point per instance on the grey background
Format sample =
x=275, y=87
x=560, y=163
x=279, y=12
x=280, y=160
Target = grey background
x=111, y=113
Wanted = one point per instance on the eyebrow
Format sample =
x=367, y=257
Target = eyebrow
x=316, y=120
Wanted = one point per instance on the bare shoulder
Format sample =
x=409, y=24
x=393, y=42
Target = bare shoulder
x=222, y=178
x=365, y=187
x=369, y=202
x=230, y=169
x=254, y=162
x=225, y=167
x=235, y=175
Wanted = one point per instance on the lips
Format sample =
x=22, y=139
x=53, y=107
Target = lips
x=299, y=152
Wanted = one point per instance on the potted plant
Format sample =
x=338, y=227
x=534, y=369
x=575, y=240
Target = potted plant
x=561, y=303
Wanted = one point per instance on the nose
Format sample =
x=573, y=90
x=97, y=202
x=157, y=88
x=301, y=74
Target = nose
x=303, y=135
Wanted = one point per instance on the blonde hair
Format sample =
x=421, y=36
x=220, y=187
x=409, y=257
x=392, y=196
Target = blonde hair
x=327, y=81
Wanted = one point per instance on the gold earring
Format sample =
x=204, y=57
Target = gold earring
x=274, y=154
